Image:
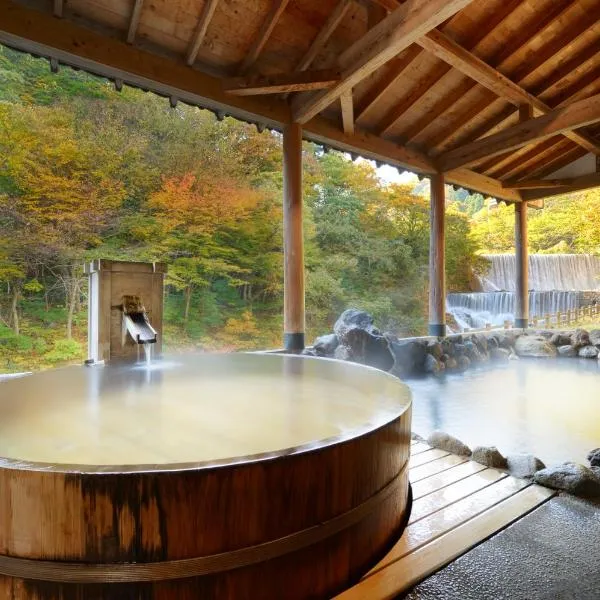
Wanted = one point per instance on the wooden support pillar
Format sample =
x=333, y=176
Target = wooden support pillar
x=437, y=256
x=293, y=240
x=522, y=259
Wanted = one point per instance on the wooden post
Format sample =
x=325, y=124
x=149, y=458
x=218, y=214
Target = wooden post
x=522, y=258
x=437, y=260
x=293, y=240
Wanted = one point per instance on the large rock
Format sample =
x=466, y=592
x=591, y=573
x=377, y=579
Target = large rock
x=432, y=365
x=570, y=477
x=463, y=362
x=534, y=346
x=489, y=456
x=435, y=349
x=354, y=319
x=561, y=338
x=501, y=354
x=580, y=338
x=594, y=457
x=588, y=352
x=567, y=350
x=409, y=356
x=524, y=465
x=342, y=352
x=506, y=339
x=595, y=337
x=445, y=441
x=369, y=349
x=326, y=344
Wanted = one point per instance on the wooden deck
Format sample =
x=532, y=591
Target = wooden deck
x=457, y=505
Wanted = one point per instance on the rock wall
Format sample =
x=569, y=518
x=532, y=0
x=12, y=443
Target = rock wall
x=356, y=338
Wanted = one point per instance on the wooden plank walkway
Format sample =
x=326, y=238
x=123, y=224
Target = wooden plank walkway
x=456, y=505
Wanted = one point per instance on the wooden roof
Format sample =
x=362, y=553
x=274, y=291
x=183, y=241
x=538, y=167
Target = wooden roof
x=413, y=83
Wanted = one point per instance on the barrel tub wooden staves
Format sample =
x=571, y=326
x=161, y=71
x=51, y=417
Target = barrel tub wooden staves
x=299, y=483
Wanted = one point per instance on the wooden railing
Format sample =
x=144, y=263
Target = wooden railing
x=563, y=319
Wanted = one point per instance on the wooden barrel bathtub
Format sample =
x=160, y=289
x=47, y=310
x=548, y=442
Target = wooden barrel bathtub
x=200, y=477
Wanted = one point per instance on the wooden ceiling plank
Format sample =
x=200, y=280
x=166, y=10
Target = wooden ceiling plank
x=533, y=184
x=333, y=20
x=448, y=50
x=277, y=8
x=134, y=21
x=58, y=8
x=397, y=31
x=563, y=154
x=255, y=85
x=483, y=32
x=347, y=113
x=396, y=67
x=576, y=115
x=548, y=19
x=208, y=10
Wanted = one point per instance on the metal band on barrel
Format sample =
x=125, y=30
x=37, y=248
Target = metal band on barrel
x=73, y=572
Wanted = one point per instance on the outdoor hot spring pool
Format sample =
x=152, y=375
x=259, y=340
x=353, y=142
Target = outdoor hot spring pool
x=550, y=408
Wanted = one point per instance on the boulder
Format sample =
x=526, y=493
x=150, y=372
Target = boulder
x=342, y=352
x=588, y=352
x=567, y=350
x=448, y=346
x=450, y=362
x=326, y=344
x=524, y=465
x=506, y=339
x=580, y=338
x=492, y=342
x=445, y=441
x=409, y=356
x=481, y=342
x=354, y=319
x=460, y=349
x=499, y=354
x=534, y=346
x=309, y=352
x=570, y=477
x=368, y=349
x=595, y=337
x=432, y=365
x=594, y=457
x=489, y=456
x=435, y=349
x=472, y=352
x=561, y=338
x=463, y=362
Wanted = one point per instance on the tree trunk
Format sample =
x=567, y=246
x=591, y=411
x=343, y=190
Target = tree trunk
x=14, y=309
x=188, y=301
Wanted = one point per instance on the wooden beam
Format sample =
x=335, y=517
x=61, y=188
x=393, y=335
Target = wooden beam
x=277, y=8
x=395, y=68
x=134, y=21
x=58, y=8
x=437, y=256
x=585, y=182
x=333, y=20
x=534, y=184
x=347, y=113
x=396, y=32
x=254, y=85
x=579, y=114
x=293, y=240
x=446, y=49
x=41, y=34
x=208, y=10
x=483, y=184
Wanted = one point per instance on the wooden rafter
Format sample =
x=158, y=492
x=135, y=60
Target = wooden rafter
x=333, y=20
x=395, y=68
x=254, y=85
x=277, y=8
x=561, y=120
x=347, y=104
x=134, y=21
x=534, y=184
x=449, y=51
x=208, y=10
x=585, y=182
x=549, y=19
x=445, y=103
x=396, y=32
